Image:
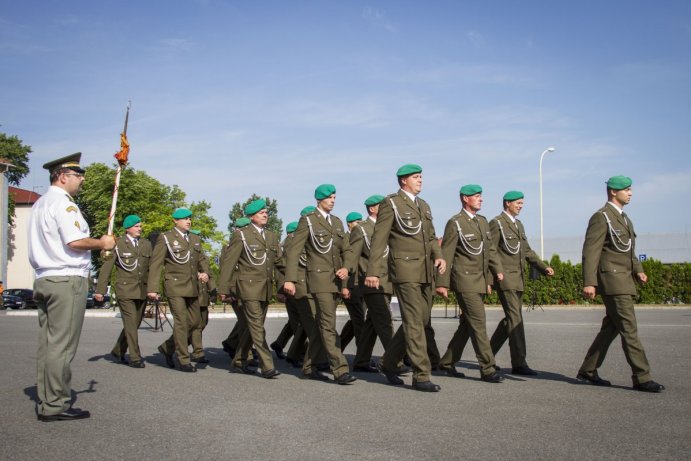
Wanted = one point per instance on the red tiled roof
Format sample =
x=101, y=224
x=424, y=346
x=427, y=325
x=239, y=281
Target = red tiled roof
x=23, y=196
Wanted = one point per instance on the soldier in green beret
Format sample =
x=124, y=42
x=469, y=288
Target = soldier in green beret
x=405, y=230
x=611, y=268
x=323, y=239
x=254, y=253
x=131, y=261
x=352, y=297
x=180, y=254
x=206, y=291
x=471, y=259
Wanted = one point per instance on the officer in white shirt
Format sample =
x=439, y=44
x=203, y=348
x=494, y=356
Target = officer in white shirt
x=60, y=253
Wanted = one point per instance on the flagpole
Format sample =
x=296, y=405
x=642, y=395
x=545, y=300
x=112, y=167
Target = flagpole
x=121, y=157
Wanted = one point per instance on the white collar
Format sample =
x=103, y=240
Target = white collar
x=373, y=219
x=410, y=196
x=471, y=216
x=620, y=210
x=512, y=218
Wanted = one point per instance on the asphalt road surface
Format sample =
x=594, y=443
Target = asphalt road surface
x=158, y=413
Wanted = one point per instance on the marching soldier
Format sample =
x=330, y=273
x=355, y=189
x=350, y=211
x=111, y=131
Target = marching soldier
x=611, y=268
x=470, y=254
x=508, y=236
x=180, y=254
x=352, y=296
x=405, y=230
x=206, y=290
x=254, y=251
x=322, y=237
x=131, y=261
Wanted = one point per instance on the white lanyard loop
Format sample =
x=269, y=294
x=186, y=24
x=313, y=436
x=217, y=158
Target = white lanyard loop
x=625, y=246
x=405, y=228
x=511, y=250
x=474, y=251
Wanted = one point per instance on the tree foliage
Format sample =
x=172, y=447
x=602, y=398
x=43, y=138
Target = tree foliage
x=13, y=150
x=275, y=224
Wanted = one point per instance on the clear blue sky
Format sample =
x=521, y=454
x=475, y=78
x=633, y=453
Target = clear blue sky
x=276, y=97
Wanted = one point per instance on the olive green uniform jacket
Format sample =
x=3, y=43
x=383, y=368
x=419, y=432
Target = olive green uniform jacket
x=132, y=269
x=181, y=274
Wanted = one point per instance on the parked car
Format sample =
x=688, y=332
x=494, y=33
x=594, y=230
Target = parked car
x=18, y=298
x=91, y=302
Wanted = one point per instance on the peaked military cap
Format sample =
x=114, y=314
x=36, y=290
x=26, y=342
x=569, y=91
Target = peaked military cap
x=512, y=195
x=373, y=200
x=70, y=161
x=324, y=190
x=619, y=182
x=353, y=216
x=182, y=213
x=292, y=227
x=131, y=220
x=471, y=189
x=255, y=207
x=409, y=169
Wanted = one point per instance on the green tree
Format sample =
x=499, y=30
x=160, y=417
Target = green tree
x=275, y=224
x=13, y=150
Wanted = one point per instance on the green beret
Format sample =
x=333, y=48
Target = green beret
x=353, y=216
x=255, y=207
x=512, y=195
x=323, y=191
x=242, y=222
x=181, y=213
x=471, y=189
x=307, y=210
x=291, y=227
x=70, y=162
x=409, y=169
x=130, y=221
x=619, y=182
x=373, y=200
x=195, y=232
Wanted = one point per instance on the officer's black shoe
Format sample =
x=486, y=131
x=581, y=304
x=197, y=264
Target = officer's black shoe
x=649, y=386
x=244, y=369
x=345, y=378
x=296, y=363
x=137, y=364
x=523, y=370
x=201, y=359
x=365, y=368
x=316, y=375
x=188, y=368
x=493, y=378
x=228, y=350
x=451, y=371
x=270, y=374
x=426, y=386
x=278, y=350
x=119, y=358
x=67, y=415
x=594, y=379
x=169, y=357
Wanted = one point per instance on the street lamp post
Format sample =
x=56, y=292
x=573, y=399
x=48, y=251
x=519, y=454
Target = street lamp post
x=542, y=233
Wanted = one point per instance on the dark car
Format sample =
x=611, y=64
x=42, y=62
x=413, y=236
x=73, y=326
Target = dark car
x=18, y=298
x=91, y=302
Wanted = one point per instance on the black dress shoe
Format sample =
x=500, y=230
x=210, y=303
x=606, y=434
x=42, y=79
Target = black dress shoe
x=316, y=375
x=296, y=363
x=253, y=363
x=649, y=386
x=594, y=379
x=137, y=364
x=119, y=358
x=451, y=371
x=67, y=415
x=188, y=368
x=391, y=376
x=426, y=386
x=201, y=359
x=244, y=369
x=169, y=357
x=524, y=370
x=365, y=369
x=228, y=350
x=271, y=373
x=493, y=378
x=278, y=350
x=345, y=378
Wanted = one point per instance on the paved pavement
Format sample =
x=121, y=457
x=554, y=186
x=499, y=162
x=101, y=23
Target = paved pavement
x=157, y=413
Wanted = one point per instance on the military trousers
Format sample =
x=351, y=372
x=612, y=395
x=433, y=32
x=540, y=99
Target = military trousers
x=326, y=304
x=196, y=335
x=132, y=313
x=315, y=354
x=186, y=319
x=620, y=319
x=293, y=329
x=353, y=327
x=378, y=323
x=472, y=324
x=61, y=303
x=511, y=327
x=415, y=301
x=254, y=313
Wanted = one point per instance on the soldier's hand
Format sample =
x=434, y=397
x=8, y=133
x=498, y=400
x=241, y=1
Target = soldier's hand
x=443, y=292
x=642, y=277
x=289, y=288
x=549, y=272
x=589, y=292
x=223, y=298
x=440, y=264
x=107, y=242
x=372, y=282
x=500, y=276
x=342, y=273
x=345, y=293
x=203, y=276
x=489, y=289
x=98, y=297
x=152, y=296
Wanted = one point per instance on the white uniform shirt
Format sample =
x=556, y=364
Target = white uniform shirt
x=56, y=221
